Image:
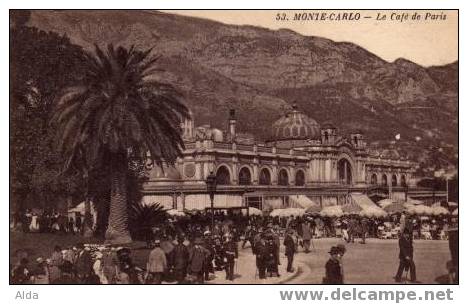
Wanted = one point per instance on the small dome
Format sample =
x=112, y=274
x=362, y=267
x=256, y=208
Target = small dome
x=295, y=125
x=217, y=135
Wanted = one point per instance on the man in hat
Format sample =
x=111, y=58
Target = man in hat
x=208, y=244
x=230, y=256
x=84, y=262
x=306, y=236
x=406, y=257
x=180, y=258
x=261, y=253
x=197, y=260
x=341, y=252
x=290, y=249
x=157, y=263
x=333, y=273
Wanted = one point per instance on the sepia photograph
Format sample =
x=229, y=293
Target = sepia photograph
x=233, y=147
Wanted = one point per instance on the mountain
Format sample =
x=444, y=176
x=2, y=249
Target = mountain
x=260, y=72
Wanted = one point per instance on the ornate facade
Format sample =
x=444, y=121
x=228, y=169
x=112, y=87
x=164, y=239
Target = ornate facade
x=302, y=161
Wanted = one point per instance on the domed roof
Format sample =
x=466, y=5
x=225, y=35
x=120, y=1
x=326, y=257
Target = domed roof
x=295, y=125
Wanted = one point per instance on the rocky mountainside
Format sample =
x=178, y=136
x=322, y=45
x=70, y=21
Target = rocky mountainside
x=261, y=72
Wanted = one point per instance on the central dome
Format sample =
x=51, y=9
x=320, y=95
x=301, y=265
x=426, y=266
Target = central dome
x=295, y=125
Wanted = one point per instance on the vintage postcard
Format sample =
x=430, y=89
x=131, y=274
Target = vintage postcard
x=233, y=147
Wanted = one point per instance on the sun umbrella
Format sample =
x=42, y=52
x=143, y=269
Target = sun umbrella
x=331, y=211
x=314, y=209
x=252, y=211
x=288, y=212
x=395, y=208
x=351, y=209
x=421, y=210
x=415, y=202
x=452, y=204
x=455, y=212
x=439, y=210
x=373, y=212
x=175, y=212
x=385, y=202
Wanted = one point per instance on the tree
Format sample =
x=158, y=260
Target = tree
x=41, y=64
x=117, y=115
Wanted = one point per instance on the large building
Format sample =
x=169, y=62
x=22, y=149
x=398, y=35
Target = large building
x=301, y=164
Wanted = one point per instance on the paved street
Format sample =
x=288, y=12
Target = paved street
x=375, y=262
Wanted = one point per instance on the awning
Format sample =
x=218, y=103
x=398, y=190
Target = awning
x=302, y=201
x=362, y=200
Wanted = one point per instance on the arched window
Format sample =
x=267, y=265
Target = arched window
x=403, y=180
x=344, y=172
x=384, y=180
x=300, y=178
x=245, y=177
x=373, y=179
x=283, y=178
x=265, y=177
x=222, y=176
x=394, y=181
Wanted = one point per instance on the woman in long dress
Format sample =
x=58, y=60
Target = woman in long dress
x=34, y=226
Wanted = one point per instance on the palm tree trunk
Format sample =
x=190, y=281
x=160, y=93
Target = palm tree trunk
x=117, y=230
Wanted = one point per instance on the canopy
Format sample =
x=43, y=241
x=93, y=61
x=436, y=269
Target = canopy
x=175, y=212
x=252, y=211
x=351, y=209
x=331, y=211
x=361, y=200
x=302, y=201
x=314, y=209
x=439, y=210
x=287, y=212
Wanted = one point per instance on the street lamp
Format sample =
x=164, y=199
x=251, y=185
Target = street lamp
x=211, y=188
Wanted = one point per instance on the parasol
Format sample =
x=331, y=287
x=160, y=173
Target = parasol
x=314, y=209
x=331, y=211
x=351, y=209
x=439, y=210
x=455, y=212
x=252, y=211
x=385, y=202
x=395, y=208
x=175, y=212
x=373, y=212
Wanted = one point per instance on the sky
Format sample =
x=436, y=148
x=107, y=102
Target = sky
x=426, y=42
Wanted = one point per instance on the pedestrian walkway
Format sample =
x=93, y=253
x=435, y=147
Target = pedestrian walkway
x=246, y=271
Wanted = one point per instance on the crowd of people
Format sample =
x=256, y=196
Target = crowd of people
x=190, y=250
x=47, y=222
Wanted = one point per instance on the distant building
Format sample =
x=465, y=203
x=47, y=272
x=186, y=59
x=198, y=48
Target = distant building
x=301, y=164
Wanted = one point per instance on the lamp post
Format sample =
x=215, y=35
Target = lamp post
x=211, y=188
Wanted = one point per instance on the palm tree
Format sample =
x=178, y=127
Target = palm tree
x=118, y=114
